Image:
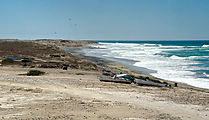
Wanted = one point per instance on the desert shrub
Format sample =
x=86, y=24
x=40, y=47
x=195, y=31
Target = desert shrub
x=80, y=74
x=7, y=61
x=35, y=73
x=64, y=40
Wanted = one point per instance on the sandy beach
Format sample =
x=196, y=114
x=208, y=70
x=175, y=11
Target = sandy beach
x=77, y=93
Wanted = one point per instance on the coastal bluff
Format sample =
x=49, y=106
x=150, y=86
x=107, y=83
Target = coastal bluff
x=45, y=53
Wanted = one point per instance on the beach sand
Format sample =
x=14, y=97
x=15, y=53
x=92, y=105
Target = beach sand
x=77, y=94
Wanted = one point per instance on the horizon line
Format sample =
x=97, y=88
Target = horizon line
x=104, y=39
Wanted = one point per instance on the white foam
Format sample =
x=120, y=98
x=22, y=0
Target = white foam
x=146, y=44
x=102, y=43
x=188, y=58
x=206, y=74
x=172, y=46
x=177, y=57
x=205, y=46
x=197, y=57
x=176, y=73
x=174, y=68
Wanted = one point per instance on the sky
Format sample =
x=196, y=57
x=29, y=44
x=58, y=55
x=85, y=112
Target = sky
x=104, y=19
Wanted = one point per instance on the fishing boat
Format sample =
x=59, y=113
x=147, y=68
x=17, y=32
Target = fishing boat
x=106, y=79
x=150, y=83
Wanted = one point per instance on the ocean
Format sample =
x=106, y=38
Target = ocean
x=180, y=61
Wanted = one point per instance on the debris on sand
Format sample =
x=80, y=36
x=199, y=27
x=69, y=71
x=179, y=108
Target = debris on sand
x=128, y=79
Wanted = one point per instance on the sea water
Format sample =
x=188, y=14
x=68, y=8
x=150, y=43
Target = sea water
x=180, y=61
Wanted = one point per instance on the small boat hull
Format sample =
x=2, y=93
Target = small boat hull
x=115, y=80
x=150, y=83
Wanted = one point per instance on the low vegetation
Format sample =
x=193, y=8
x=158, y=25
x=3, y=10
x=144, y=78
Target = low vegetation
x=7, y=61
x=80, y=74
x=35, y=73
x=64, y=40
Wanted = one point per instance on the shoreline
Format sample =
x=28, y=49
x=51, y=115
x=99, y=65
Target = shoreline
x=173, y=61
x=78, y=51
x=126, y=62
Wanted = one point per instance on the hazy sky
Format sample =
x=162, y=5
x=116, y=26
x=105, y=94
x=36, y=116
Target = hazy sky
x=104, y=19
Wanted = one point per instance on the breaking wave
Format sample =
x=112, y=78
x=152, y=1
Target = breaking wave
x=205, y=46
x=179, y=63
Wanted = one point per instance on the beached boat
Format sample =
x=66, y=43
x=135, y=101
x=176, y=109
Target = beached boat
x=150, y=83
x=105, y=79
